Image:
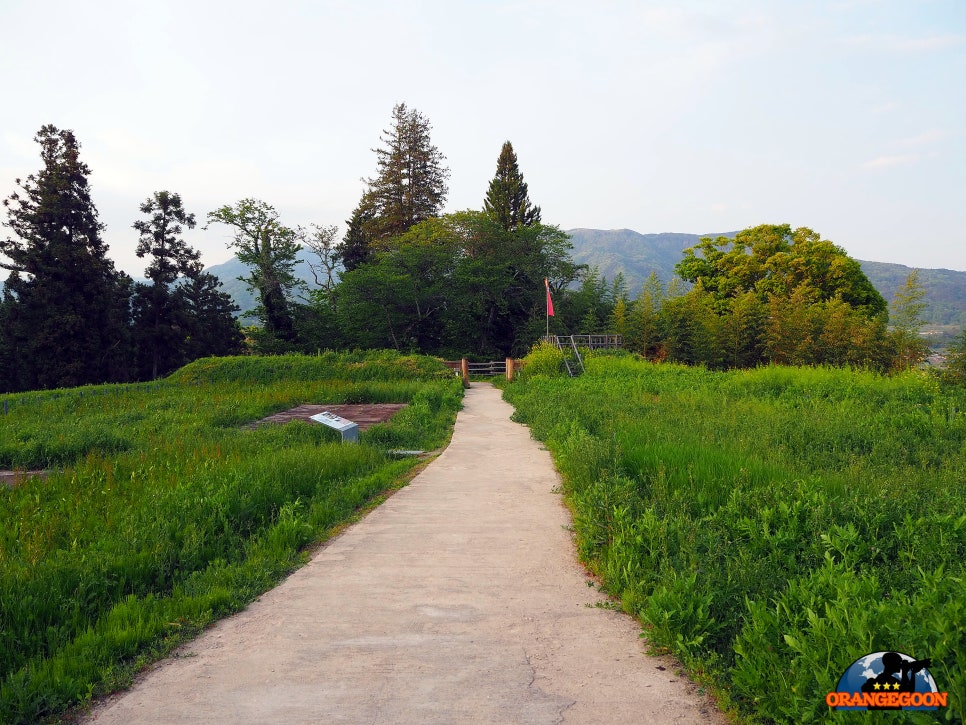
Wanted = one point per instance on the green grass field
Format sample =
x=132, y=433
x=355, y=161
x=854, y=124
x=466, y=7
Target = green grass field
x=162, y=513
x=769, y=526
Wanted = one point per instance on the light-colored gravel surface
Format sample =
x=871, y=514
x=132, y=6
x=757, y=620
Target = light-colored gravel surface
x=459, y=600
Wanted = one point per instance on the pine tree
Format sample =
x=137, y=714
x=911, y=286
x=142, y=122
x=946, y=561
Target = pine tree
x=158, y=334
x=507, y=198
x=208, y=315
x=68, y=311
x=410, y=185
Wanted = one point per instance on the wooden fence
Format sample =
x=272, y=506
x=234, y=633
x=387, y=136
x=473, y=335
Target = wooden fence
x=468, y=369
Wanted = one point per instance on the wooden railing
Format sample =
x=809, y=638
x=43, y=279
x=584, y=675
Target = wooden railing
x=484, y=369
x=592, y=342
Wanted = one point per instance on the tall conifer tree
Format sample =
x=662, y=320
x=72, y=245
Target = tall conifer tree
x=356, y=246
x=507, y=198
x=208, y=315
x=159, y=332
x=68, y=310
x=410, y=186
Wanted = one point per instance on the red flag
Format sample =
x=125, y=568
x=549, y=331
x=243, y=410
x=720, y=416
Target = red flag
x=546, y=283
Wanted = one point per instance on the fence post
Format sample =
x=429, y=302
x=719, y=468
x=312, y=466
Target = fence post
x=465, y=368
x=509, y=369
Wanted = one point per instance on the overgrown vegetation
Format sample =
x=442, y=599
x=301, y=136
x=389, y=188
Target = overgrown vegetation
x=166, y=514
x=769, y=526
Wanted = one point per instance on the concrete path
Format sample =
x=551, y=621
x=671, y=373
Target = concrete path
x=459, y=600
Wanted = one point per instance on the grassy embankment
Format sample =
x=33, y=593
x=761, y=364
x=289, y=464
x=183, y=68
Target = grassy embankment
x=163, y=514
x=769, y=526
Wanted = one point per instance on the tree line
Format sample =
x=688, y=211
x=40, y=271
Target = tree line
x=772, y=295
x=68, y=317
x=406, y=276
x=403, y=275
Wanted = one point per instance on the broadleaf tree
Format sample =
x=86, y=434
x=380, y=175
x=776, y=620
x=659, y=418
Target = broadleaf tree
x=773, y=260
x=270, y=250
x=456, y=284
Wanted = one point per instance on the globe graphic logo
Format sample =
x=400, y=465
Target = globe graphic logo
x=893, y=681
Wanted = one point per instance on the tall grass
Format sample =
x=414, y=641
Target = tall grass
x=769, y=526
x=163, y=513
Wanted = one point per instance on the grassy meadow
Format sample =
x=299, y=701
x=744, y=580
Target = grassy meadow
x=163, y=513
x=768, y=526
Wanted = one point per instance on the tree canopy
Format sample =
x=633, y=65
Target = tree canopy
x=269, y=248
x=410, y=185
x=774, y=260
x=460, y=282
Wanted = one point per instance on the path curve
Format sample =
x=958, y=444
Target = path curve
x=459, y=600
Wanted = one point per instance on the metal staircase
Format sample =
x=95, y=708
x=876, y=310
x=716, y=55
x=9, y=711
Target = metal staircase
x=572, y=358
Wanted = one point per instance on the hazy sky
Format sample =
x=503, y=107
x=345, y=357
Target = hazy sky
x=847, y=116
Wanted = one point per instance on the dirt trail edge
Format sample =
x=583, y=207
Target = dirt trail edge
x=459, y=600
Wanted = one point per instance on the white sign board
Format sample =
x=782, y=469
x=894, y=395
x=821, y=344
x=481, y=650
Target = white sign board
x=348, y=429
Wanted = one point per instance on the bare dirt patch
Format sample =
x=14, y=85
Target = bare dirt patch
x=365, y=415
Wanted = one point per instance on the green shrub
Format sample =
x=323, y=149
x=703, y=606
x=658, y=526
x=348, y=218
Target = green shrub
x=543, y=359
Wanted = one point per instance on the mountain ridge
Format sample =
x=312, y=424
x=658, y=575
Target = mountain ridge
x=636, y=255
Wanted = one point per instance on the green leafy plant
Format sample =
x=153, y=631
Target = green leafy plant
x=768, y=526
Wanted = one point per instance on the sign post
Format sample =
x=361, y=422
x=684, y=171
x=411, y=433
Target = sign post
x=348, y=429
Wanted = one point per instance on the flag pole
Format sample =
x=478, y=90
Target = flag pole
x=546, y=283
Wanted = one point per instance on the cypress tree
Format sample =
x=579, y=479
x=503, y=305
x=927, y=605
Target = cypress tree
x=507, y=198
x=68, y=319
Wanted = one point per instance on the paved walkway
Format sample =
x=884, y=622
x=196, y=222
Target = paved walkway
x=459, y=600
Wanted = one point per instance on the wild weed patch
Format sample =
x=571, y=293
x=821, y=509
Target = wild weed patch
x=769, y=526
x=163, y=513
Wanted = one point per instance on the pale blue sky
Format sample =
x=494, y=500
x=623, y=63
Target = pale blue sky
x=847, y=116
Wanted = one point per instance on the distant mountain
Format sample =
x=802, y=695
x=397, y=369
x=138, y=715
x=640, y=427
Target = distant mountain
x=229, y=272
x=637, y=255
x=634, y=254
x=945, y=289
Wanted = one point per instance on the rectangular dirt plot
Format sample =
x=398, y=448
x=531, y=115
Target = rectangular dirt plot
x=365, y=415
